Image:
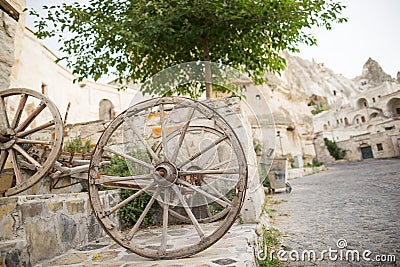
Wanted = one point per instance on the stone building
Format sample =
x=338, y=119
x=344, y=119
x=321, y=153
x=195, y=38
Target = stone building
x=26, y=62
x=368, y=124
x=12, y=23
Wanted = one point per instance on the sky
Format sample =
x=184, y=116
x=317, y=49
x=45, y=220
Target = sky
x=372, y=30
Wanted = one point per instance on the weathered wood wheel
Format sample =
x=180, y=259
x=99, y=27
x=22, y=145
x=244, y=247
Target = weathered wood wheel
x=31, y=135
x=182, y=154
x=209, y=211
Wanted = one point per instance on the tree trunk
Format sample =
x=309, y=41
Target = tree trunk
x=207, y=68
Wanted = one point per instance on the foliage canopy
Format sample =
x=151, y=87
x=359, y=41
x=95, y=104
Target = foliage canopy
x=134, y=40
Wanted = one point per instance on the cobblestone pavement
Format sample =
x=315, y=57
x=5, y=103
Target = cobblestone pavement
x=358, y=202
x=234, y=249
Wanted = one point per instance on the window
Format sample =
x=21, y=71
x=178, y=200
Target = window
x=363, y=119
x=373, y=100
x=44, y=89
x=379, y=147
x=346, y=122
x=357, y=120
x=334, y=92
x=258, y=97
x=329, y=123
x=398, y=111
x=244, y=88
x=363, y=82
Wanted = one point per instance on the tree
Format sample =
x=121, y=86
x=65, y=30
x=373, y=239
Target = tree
x=136, y=39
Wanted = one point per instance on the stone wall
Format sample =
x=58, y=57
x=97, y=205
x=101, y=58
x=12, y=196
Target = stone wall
x=7, y=35
x=34, y=228
x=233, y=111
x=10, y=31
x=383, y=144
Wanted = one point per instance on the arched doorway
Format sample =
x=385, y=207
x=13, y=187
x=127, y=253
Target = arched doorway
x=362, y=103
x=106, y=110
x=393, y=107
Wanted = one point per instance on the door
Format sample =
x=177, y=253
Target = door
x=366, y=152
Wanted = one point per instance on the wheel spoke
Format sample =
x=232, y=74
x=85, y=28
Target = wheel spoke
x=20, y=108
x=207, y=207
x=141, y=139
x=144, y=213
x=204, y=150
x=163, y=245
x=220, y=178
x=198, y=190
x=17, y=171
x=36, y=129
x=130, y=158
x=112, y=179
x=189, y=212
x=182, y=136
x=219, y=194
x=31, y=117
x=4, y=112
x=163, y=131
x=35, y=142
x=220, y=164
x=27, y=156
x=205, y=172
x=129, y=199
x=3, y=158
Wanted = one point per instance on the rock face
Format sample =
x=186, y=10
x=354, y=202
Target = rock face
x=36, y=228
x=304, y=86
x=308, y=78
x=373, y=73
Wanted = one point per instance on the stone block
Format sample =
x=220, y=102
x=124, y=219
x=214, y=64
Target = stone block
x=67, y=229
x=7, y=227
x=31, y=210
x=42, y=240
x=7, y=205
x=75, y=206
x=94, y=229
x=55, y=206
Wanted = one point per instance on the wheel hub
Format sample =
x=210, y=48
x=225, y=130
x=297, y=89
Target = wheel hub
x=168, y=172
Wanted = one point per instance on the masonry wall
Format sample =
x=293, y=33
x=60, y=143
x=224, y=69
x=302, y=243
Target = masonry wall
x=384, y=144
x=34, y=228
x=9, y=32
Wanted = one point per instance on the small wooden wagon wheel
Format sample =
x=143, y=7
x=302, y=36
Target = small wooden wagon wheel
x=31, y=135
x=182, y=154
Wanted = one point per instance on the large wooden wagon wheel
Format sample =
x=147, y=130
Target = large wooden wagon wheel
x=31, y=135
x=182, y=154
x=208, y=211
